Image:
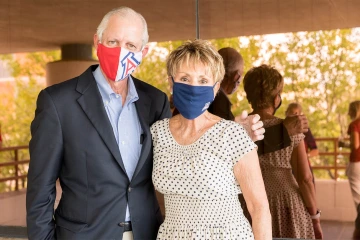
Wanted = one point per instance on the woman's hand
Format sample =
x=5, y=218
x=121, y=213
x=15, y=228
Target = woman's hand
x=317, y=229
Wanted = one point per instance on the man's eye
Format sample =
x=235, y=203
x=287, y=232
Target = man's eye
x=131, y=46
x=111, y=42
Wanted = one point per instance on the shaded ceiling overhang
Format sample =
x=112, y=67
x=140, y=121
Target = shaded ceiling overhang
x=38, y=25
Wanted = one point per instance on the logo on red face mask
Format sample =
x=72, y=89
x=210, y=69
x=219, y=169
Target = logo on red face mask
x=117, y=63
x=128, y=64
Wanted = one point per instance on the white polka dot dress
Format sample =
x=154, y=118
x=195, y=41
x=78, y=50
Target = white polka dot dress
x=290, y=218
x=198, y=183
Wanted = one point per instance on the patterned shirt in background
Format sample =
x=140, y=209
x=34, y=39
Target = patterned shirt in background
x=309, y=141
x=354, y=127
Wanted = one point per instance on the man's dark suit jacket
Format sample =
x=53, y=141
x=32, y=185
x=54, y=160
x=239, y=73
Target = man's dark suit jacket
x=72, y=139
x=221, y=106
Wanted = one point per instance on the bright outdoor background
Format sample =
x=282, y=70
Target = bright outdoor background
x=320, y=71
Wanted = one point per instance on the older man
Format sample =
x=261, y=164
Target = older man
x=92, y=132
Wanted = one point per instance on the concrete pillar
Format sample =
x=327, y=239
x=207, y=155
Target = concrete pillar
x=75, y=59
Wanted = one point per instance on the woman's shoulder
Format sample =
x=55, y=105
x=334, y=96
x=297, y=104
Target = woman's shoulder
x=354, y=126
x=272, y=121
x=356, y=122
x=231, y=127
x=160, y=124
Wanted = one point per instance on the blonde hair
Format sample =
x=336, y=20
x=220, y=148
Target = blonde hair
x=355, y=107
x=123, y=12
x=197, y=51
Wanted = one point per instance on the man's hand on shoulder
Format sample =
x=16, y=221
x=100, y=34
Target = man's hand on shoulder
x=252, y=124
x=296, y=124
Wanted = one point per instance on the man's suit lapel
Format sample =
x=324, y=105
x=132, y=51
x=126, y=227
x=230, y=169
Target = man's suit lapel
x=143, y=107
x=91, y=103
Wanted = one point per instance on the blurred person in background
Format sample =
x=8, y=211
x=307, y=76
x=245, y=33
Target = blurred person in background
x=295, y=109
x=221, y=106
x=353, y=169
x=287, y=177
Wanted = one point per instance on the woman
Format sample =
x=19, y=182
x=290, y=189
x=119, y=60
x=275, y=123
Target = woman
x=202, y=162
x=353, y=169
x=309, y=140
x=286, y=173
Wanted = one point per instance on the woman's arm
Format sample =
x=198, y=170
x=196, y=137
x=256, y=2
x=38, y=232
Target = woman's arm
x=302, y=173
x=248, y=174
x=354, y=140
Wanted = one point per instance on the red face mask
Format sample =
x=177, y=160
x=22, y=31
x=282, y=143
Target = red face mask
x=117, y=63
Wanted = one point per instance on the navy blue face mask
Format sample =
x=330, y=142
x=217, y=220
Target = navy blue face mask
x=192, y=101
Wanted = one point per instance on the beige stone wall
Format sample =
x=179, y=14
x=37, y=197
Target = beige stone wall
x=335, y=200
x=13, y=208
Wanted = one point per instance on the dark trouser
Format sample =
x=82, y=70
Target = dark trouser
x=357, y=220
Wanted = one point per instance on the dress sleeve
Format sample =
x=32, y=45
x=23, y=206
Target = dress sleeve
x=354, y=127
x=310, y=140
x=296, y=139
x=238, y=142
x=153, y=130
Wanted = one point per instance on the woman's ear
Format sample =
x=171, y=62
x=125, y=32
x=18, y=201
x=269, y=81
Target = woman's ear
x=216, y=88
x=275, y=103
x=170, y=84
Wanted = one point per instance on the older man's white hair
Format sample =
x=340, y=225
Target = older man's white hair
x=123, y=12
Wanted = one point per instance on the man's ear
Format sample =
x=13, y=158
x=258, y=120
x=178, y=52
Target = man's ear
x=145, y=51
x=96, y=41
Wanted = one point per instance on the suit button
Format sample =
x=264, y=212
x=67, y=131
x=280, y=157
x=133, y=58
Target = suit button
x=121, y=224
x=129, y=189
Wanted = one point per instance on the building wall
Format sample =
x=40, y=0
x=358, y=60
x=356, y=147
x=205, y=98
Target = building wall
x=333, y=197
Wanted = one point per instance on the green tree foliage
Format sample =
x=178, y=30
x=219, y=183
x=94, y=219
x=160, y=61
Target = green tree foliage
x=320, y=71
x=18, y=112
x=28, y=71
x=153, y=68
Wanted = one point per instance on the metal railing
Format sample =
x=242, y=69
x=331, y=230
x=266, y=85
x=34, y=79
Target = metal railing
x=14, y=162
x=335, y=152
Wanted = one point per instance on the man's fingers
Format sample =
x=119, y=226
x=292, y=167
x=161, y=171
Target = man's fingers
x=257, y=125
x=255, y=118
x=258, y=137
x=244, y=115
x=260, y=131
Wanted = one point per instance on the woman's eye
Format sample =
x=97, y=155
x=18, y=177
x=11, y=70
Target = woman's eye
x=184, y=79
x=203, y=81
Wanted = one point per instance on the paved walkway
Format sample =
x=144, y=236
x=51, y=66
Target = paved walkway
x=337, y=230
x=332, y=231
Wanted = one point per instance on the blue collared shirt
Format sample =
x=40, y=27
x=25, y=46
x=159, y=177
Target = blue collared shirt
x=124, y=121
